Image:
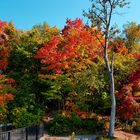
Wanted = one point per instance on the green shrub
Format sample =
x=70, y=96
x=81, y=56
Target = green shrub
x=21, y=117
x=137, y=128
x=3, y=114
x=62, y=125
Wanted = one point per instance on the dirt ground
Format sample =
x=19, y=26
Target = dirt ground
x=126, y=136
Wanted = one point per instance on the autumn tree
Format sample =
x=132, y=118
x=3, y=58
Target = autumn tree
x=6, y=84
x=42, y=33
x=100, y=14
x=68, y=53
x=132, y=36
x=7, y=87
x=75, y=49
x=4, y=49
x=128, y=95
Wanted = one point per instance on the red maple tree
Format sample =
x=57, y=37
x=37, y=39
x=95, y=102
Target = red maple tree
x=75, y=49
x=6, y=84
x=129, y=95
x=4, y=49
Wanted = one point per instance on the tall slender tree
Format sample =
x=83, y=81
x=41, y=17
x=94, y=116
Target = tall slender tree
x=100, y=14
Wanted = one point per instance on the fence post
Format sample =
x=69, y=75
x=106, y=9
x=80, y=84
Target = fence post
x=9, y=135
x=26, y=133
x=36, y=132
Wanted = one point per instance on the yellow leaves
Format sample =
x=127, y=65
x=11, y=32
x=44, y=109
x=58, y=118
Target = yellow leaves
x=44, y=68
x=81, y=67
x=90, y=62
x=47, y=76
x=119, y=58
x=39, y=41
x=88, y=94
x=43, y=33
x=82, y=52
x=137, y=94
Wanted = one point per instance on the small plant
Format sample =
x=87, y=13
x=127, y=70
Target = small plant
x=72, y=135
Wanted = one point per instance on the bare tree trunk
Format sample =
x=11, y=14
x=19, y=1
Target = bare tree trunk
x=113, y=107
x=112, y=89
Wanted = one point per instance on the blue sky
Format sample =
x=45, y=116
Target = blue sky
x=26, y=13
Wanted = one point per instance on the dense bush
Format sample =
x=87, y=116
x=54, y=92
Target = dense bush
x=21, y=117
x=62, y=125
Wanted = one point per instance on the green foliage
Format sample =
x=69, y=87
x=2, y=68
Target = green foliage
x=54, y=91
x=66, y=84
x=92, y=89
x=3, y=114
x=123, y=65
x=24, y=68
x=51, y=90
x=132, y=36
x=26, y=109
x=43, y=33
x=137, y=128
x=21, y=117
x=28, y=101
x=91, y=85
x=23, y=52
x=61, y=125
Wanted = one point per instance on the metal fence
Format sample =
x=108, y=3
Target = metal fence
x=27, y=133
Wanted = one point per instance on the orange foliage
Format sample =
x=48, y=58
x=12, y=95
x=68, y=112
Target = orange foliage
x=119, y=46
x=70, y=106
x=6, y=85
x=75, y=49
x=6, y=97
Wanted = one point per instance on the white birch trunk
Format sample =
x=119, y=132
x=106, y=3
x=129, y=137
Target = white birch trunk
x=113, y=106
x=112, y=90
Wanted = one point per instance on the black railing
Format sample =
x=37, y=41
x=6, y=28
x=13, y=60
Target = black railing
x=26, y=133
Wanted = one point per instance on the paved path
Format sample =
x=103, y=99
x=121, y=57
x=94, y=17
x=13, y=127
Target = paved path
x=118, y=134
